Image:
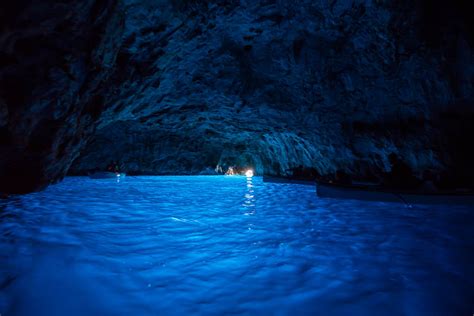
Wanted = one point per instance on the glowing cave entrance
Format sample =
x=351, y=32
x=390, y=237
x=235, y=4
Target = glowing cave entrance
x=238, y=171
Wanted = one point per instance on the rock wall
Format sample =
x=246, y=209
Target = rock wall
x=277, y=84
x=191, y=86
x=54, y=58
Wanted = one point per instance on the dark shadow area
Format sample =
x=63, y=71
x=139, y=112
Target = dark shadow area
x=443, y=21
x=457, y=131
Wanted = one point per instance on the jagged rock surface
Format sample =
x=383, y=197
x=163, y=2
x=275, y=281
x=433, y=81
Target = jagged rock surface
x=278, y=84
x=54, y=59
x=188, y=86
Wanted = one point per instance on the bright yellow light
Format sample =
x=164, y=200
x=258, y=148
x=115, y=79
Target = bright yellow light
x=249, y=173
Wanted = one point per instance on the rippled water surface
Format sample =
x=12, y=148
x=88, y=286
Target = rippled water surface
x=224, y=246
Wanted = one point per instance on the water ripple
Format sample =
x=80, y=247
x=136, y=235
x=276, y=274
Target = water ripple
x=228, y=245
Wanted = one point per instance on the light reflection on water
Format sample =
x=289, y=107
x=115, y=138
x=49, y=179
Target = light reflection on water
x=249, y=202
x=228, y=245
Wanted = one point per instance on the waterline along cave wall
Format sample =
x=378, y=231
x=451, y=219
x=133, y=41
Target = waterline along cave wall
x=185, y=87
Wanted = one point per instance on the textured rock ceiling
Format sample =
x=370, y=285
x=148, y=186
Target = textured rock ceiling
x=187, y=86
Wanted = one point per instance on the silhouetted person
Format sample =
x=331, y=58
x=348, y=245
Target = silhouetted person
x=113, y=167
x=302, y=172
x=400, y=175
x=117, y=167
x=298, y=172
x=110, y=166
x=342, y=177
x=230, y=171
x=428, y=184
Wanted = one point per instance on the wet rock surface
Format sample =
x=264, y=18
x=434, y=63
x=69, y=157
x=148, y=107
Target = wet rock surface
x=190, y=87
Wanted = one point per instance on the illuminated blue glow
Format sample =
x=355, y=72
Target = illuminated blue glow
x=228, y=245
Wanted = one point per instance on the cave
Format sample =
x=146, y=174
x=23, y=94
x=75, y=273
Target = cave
x=310, y=132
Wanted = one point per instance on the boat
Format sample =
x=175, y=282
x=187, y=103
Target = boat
x=275, y=179
x=106, y=175
x=374, y=192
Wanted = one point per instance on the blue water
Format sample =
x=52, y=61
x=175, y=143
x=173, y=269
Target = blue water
x=228, y=246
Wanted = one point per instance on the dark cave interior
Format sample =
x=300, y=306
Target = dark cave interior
x=187, y=87
x=236, y=157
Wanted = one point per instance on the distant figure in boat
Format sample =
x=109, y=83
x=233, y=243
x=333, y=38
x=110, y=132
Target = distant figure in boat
x=110, y=166
x=298, y=172
x=113, y=167
x=231, y=171
x=342, y=177
x=401, y=176
x=428, y=185
x=302, y=173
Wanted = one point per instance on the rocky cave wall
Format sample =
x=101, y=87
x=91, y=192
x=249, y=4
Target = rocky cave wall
x=55, y=57
x=277, y=84
x=186, y=86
